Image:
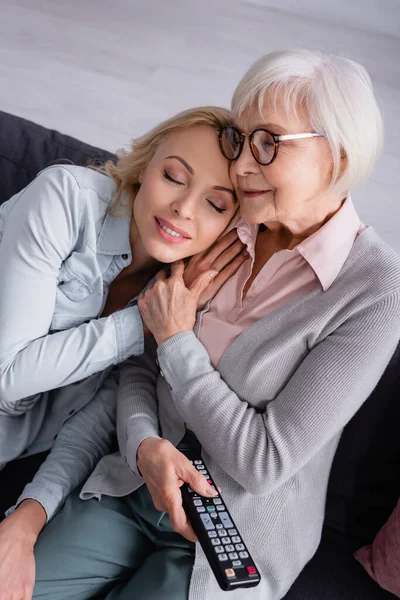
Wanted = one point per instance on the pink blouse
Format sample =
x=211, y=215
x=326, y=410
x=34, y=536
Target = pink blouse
x=287, y=274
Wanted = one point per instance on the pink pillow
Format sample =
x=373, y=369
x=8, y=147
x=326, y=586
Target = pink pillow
x=381, y=559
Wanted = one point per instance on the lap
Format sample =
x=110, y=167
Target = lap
x=91, y=549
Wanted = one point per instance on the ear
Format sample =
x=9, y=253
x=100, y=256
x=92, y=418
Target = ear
x=141, y=176
x=343, y=162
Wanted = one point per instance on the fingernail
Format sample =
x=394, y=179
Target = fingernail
x=212, y=274
x=246, y=254
x=211, y=492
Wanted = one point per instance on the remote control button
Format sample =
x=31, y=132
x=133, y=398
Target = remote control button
x=225, y=520
x=226, y=540
x=211, y=509
x=198, y=502
x=222, y=557
x=214, y=515
x=222, y=532
x=236, y=563
x=244, y=554
x=201, y=509
x=232, y=532
x=219, y=549
x=212, y=534
x=239, y=547
x=251, y=570
x=207, y=522
x=217, y=501
x=236, y=539
x=198, y=462
x=190, y=490
x=230, y=548
x=230, y=573
x=215, y=541
x=233, y=556
x=220, y=507
x=220, y=526
x=203, y=471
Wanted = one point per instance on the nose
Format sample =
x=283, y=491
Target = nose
x=246, y=164
x=184, y=206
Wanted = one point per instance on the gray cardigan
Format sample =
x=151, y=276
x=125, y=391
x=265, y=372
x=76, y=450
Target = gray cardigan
x=270, y=418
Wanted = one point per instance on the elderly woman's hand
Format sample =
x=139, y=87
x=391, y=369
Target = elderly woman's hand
x=165, y=470
x=168, y=306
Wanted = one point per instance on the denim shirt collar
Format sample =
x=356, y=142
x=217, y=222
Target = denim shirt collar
x=114, y=235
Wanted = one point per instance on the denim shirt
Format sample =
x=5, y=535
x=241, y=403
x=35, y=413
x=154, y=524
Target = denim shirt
x=60, y=249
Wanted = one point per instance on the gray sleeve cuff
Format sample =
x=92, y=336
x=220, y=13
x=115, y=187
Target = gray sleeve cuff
x=48, y=498
x=133, y=443
x=129, y=333
x=182, y=359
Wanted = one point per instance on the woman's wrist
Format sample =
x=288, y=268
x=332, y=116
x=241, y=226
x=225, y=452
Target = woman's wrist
x=30, y=517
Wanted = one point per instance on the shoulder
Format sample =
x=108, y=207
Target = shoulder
x=81, y=180
x=372, y=266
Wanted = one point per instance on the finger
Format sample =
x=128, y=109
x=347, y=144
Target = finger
x=177, y=269
x=228, y=255
x=178, y=517
x=162, y=275
x=201, y=283
x=221, y=245
x=225, y=274
x=198, y=482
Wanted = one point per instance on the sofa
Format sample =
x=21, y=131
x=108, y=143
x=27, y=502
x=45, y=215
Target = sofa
x=364, y=484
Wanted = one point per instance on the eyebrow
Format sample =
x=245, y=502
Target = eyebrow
x=220, y=188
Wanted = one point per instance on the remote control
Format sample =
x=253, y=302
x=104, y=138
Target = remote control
x=223, y=545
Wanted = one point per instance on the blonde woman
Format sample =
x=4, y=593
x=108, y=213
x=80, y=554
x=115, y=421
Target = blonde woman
x=76, y=248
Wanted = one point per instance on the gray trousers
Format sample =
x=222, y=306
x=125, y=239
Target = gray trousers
x=115, y=549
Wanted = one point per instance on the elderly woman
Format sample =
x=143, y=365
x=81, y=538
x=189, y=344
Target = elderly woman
x=275, y=367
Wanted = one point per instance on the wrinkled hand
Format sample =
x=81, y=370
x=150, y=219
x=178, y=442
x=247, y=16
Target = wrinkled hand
x=225, y=256
x=168, y=306
x=164, y=470
x=17, y=561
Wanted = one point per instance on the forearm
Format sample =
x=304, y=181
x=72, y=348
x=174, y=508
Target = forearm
x=67, y=356
x=137, y=409
x=28, y=519
x=82, y=442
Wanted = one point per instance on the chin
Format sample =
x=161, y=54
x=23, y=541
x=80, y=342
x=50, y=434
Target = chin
x=165, y=254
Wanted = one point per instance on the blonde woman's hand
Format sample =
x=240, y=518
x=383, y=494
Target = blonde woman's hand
x=225, y=257
x=18, y=535
x=168, y=306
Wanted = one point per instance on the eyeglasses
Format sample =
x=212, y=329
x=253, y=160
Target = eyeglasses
x=264, y=145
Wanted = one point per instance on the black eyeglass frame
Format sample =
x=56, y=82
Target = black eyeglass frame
x=277, y=139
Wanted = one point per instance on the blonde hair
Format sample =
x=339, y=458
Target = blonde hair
x=131, y=163
x=337, y=96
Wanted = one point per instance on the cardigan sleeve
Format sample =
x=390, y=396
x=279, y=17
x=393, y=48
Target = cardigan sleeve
x=263, y=450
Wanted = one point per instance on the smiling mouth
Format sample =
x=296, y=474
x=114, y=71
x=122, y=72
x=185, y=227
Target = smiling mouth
x=166, y=227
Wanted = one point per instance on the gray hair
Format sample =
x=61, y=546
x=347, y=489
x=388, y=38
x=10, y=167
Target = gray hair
x=338, y=99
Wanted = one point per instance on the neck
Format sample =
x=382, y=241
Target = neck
x=288, y=234
x=142, y=263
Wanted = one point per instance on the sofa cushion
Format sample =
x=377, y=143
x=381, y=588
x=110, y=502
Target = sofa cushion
x=334, y=574
x=364, y=484
x=27, y=148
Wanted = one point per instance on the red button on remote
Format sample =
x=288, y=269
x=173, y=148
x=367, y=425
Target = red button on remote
x=251, y=570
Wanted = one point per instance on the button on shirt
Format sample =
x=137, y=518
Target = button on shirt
x=287, y=274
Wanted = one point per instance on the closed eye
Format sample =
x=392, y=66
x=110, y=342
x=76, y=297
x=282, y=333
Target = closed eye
x=169, y=178
x=217, y=208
